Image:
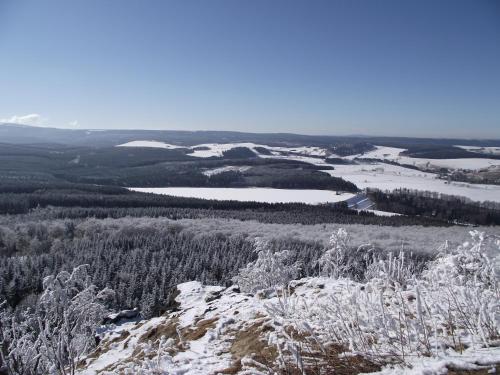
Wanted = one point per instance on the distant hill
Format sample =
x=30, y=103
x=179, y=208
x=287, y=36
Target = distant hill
x=24, y=134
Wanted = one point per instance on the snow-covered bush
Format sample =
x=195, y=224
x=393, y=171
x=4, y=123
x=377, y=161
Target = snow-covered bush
x=269, y=270
x=471, y=264
x=397, y=313
x=52, y=338
x=18, y=342
x=392, y=269
x=365, y=262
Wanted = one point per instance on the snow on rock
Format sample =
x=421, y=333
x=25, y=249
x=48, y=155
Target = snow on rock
x=221, y=330
x=200, y=336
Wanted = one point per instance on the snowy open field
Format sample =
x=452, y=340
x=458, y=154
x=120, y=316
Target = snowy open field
x=483, y=150
x=267, y=195
x=150, y=144
x=392, y=154
x=389, y=177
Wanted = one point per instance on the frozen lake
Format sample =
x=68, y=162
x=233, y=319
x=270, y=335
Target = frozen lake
x=267, y=195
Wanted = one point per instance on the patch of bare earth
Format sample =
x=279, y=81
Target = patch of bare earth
x=199, y=330
x=249, y=342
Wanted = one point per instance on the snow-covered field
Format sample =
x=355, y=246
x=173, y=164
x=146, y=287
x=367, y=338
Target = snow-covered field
x=389, y=177
x=483, y=150
x=207, y=150
x=393, y=154
x=150, y=144
x=217, y=149
x=267, y=195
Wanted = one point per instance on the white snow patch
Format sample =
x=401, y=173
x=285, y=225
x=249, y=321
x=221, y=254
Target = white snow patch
x=217, y=149
x=267, y=195
x=393, y=154
x=150, y=144
x=481, y=149
x=382, y=213
x=227, y=168
x=389, y=177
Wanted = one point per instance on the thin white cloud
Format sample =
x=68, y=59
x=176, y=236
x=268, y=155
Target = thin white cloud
x=74, y=124
x=33, y=119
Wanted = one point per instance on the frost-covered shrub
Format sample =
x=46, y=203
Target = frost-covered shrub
x=469, y=265
x=343, y=260
x=269, y=270
x=52, y=338
x=365, y=262
x=392, y=269
x=398, y=313
x=18, y=342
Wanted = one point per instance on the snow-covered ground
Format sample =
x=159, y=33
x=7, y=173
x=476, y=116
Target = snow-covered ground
x=389, y=177
x=217, y=149
x=482, y=150
x=150, y=144
x=207, y=150
x=267, y=195
x=393, y=154
x=217, y=315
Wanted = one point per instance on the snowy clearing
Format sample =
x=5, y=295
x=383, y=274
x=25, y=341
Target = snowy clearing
x=389, y=177
x=393, y=154
x=150, y=144
x=482, y=150
x=266, y=195
x=228, y=168
x=207, y=150
x=382, y=213
x=217, y=149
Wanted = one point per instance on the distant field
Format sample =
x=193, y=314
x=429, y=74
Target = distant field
x=389, y=177
x=253, y=194
x=393, y=154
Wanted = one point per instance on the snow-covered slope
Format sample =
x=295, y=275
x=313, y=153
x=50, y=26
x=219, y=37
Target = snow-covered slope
x=223, y=331
x=207, y=150
x=396, y=322
x=202, y=338
x=482, y=150
x=389, y=177
x=393, y=154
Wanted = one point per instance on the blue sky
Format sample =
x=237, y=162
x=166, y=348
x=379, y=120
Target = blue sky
x=411, y=68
